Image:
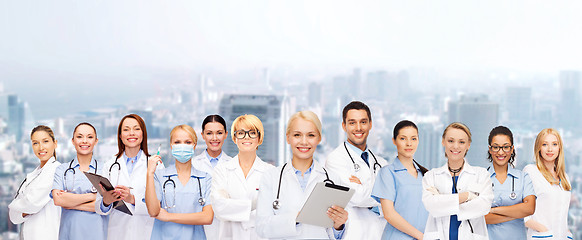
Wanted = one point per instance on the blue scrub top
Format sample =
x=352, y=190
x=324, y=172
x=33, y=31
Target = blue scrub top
x=186, y=201
x=397, y=185
x=76, y=224
x=523, y=188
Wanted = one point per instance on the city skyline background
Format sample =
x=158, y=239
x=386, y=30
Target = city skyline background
x=485, y=64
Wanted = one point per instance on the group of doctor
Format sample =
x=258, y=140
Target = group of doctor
x=214, y=196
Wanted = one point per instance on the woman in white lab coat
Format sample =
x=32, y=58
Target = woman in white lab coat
x=214, y=133
x=127, y=171
x=32, y=206
x=284, y=189
x=235, y=183
x=552, y=187
x=456, y=195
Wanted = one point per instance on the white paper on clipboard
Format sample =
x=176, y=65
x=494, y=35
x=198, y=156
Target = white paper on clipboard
x=323, y=196
x=96, y=179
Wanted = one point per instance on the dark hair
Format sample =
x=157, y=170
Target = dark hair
x=46, y=129
x=84, y=123
x=502, y=130
x=144, y=141
x=356, y=105
x=399, y=126
x=213, y=118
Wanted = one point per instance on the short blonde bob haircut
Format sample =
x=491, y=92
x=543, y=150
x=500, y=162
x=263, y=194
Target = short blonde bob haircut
x=187, y=129
x=460, y=126
x=308, y=116
x=559, y=164
x=250, y=122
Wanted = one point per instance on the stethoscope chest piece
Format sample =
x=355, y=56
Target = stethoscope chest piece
x=93, y=189
x=357, y=167
x=201, y=201
x=512, y=196
x=276, y=204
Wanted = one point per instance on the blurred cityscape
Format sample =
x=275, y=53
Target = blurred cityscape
x=526, y=103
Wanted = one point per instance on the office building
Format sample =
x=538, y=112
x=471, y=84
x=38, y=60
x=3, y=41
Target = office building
x=268, y=109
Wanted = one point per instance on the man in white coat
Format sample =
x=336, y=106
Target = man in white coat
x=357, y=166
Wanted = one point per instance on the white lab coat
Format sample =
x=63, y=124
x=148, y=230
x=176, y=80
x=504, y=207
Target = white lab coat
x=363, y=224
x=121, y=225
x=441, y=206
x=202, y=163
x=33, y=198
x=552, y=206
x=280, y=223
x=232, y=195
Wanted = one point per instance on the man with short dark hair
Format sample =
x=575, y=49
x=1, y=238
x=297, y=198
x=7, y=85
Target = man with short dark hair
x=357, y=166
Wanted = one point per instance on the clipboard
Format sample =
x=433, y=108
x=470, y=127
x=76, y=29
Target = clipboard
x=97, y=180
x=323, y=196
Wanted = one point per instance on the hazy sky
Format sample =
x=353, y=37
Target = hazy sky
x=76, y=52
x=90, y=36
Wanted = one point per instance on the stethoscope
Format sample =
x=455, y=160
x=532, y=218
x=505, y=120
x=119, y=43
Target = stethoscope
x=21, y=184
x=512, y=195
x=357, y=166
x=201, y=200
x=93, y=189
x=276, y=204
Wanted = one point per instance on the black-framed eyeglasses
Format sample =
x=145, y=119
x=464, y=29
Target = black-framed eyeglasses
x=240, y=134
x=506, y=148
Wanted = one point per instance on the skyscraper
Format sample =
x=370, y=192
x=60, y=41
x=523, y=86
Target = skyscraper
x=268, y=109
x=569, y=108
x=480, y=115
x=518, y=103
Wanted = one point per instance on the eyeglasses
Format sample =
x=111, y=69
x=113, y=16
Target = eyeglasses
x=240, y=134
x=506, y=148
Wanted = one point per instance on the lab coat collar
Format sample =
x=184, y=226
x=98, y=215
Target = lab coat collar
x=315, y=166
x=355, y=149
x=399, y=167
x=208, y=157
x=259, y=165
x=171, y=171
x=510, y=171
x=466, y=168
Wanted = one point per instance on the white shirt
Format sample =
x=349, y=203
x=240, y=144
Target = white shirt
x=33, y=198
x=280, y=223
x=552, y=205
x=363, y=223
x=202, y=163
x=121, y=225
x=232, y=196
x=441, y=206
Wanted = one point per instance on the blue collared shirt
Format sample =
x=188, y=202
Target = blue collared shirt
x=303, y=179
x=185, y=199
x=523, y=187
x=130, y=162
x=77, y=224
x=394, y=183
x=213, y=161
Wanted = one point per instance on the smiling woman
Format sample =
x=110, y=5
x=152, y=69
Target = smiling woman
x=456, y=195
x=235, y=183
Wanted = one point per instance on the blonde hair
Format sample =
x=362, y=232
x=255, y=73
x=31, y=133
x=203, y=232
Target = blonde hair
x=187, y=129
x=308, y=116
x=460, y=126
x=249, y=121
x=559, y=163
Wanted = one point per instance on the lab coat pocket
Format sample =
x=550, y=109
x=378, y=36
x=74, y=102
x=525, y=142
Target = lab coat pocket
x=547, y=235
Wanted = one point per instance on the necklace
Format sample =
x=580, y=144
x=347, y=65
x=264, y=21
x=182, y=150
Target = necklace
x=455, y=171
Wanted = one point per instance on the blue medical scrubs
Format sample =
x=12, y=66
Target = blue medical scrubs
x=76, y=224
x=397, y=185
x=523, y=187
x=186, y=201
